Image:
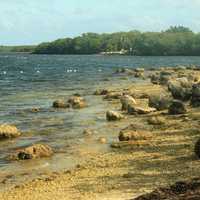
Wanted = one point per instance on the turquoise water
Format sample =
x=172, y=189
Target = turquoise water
x=29, y=81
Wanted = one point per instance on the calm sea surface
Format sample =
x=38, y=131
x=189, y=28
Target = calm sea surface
x=29, y=81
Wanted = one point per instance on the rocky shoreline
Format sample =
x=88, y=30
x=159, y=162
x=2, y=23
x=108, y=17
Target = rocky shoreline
x=157, y=122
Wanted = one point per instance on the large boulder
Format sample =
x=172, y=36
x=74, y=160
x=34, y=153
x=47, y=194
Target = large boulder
x=113, y=116
x=8, y=131
x=61, y=104
x=195, y=101
x=160, y=102
x=127, y=100
x=177, y=107
x=33, y=152
x=133, y=109
x=180, y=89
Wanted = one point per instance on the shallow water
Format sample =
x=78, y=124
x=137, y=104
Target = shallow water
x=28, y=81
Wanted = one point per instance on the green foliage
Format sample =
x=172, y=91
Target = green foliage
x=177, y=40
x=23, y=49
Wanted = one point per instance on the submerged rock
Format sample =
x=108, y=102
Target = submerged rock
x=61, y=104
x=156, y=120
x=126, y=135
x=88, y=132
x=195, y=101
x=8, y=131
x=160, y=102
x=113, y=116
x=127, y=100
x=33, y=152
x=177, y=107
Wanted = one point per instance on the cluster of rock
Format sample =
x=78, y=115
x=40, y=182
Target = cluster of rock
x=74, y=102
x=184, y=87
x=32, y=152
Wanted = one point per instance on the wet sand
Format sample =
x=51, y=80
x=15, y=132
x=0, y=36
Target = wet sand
x=127, y=169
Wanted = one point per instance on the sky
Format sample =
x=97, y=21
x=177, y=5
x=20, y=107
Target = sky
x=24, y=22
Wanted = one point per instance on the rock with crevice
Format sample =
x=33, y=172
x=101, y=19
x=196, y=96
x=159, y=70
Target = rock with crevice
x=33, y=152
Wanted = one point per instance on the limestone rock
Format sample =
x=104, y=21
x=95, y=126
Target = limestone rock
x=8, y=131
x=113, y=116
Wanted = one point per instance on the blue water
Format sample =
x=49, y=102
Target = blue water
x=28, y=81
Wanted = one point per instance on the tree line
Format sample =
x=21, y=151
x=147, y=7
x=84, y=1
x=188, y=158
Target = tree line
x=175, y=41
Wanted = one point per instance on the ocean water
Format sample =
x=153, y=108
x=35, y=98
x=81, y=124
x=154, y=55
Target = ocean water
x=35, y=81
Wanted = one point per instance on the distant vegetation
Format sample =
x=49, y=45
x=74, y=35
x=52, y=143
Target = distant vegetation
x=23, y=49
x=174, y=41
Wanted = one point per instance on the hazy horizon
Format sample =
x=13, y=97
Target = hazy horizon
x=32, y=22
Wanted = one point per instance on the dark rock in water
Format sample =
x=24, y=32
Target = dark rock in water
x=113, y=116
x=182, y=190
x=88, y=132
x=180, y=89
x=197, y=149
x=125, y=70
x=101, y=92
x=160, y=102
x=177, y=107
x=61, y=104
x=195, y=101
x=139, y=75
x=127, y=100
x=8, y=131
x=33, y=152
